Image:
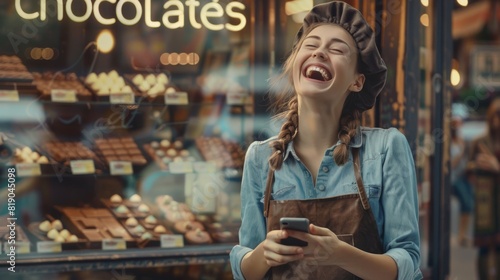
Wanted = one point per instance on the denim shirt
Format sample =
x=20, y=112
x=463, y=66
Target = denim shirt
x=388, y=174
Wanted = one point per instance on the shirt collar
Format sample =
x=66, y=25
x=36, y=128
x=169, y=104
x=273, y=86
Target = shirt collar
x=356, y=142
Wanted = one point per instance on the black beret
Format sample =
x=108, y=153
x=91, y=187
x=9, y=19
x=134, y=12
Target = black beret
x=371, y=63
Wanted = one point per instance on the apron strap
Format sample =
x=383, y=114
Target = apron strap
x=357, y=173
x=269, y=187
x=359, y=180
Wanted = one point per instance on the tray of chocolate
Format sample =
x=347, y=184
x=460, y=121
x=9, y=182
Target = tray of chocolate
x=119, y=149
x=95, y=225
x=164, y=152
x=105, y=84
x=53, y=230
x=26, y=155
x=13, y=70
x=138, y=219
x=65, y=151
x=20, y=237
x=154, y=86
x=225, y=154
x=66, y=84
x=181, y=219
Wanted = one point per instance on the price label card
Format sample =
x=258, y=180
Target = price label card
x=121, y=98
x=171, y=241
x=48, y=247
x=114, y=244
x=28, y=169
x=9, y=95
x=180, y=167
x=23, y=247
x=204, y=167
x=85, y=166
x=236, y=98
x=63, y=95
x=176, y=98
x=121, y=168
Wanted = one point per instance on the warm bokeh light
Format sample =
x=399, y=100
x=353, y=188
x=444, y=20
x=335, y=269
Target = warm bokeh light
x=425, y=3
x=105, y=41
x=455, y=77
x=298, y=6
x=47, y=53
x=182, y=58
x=424, y=20
x=463, y=2
x=36, y=53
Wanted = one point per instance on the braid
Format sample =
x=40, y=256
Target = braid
x=286, y=134
x=349, y=124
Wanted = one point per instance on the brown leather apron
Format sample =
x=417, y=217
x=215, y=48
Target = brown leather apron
x=348, y=216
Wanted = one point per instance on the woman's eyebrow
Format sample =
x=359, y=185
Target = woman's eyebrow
x=335, y=40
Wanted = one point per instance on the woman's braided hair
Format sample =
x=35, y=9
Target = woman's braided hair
x=285, y=106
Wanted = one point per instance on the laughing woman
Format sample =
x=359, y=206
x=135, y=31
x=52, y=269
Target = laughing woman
x=356, y=185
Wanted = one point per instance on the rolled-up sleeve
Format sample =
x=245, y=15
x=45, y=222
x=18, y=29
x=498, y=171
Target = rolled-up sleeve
x=399, y=200
x=253, y=225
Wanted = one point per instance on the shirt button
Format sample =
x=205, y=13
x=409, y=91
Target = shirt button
x=321, y=187
x=325, y=169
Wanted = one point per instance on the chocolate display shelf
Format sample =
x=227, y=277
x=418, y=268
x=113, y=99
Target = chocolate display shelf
x=13, y=70
x=95, y=224
x=63, y=152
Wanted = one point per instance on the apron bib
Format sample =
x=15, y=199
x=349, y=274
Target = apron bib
x=348, y=216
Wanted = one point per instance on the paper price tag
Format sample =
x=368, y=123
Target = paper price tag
x=121, y=168
x=204, y=167
x=180, y=167
x=48, y=247
x=28, y=169
x=23, y=247
x=236, y=99
x=9, y=95
x=171, y=241
x=121, y=98
x=176, y=98
x=63, y=95
x=85, y=166
x=114, y=244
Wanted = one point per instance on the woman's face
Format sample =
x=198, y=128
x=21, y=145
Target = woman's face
x=325, y=64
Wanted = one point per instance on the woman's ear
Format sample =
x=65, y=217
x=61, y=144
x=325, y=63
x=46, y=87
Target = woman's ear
x=357, y=86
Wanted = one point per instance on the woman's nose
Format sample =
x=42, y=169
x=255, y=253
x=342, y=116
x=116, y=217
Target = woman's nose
x=319, y=54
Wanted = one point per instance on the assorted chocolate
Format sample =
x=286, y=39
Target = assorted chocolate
x=166, y=151
x=225, y=154
x=27, y=155
x=152, y=84
x=105, y=84
x=47, y=82
x=63, y=151
x=13, y=70
x=119, y=149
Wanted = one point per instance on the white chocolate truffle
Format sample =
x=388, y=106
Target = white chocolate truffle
x=72, y=238
x=150, y=220
x=113, y=75
x=121, y=209
x=171, y=152
x=131, y=222
x=135, y=198
x=146, y=236
x=165, y=143
x=139, y=229
x=65, y=234
x=127, y=89
x=116, y=198
x=178, y=144
x=42, y=160
x=59, y=239
x=170, y=90
x=34, y=156
x=56, y=224
x=151, y=79
x=26, y=150
x=53, y=233
x=162, y=78
x=45, y=226
x=184, y=153
x=138, y=79
x=144, y=86
x=143, y=208
x=91, y=78
x=160, y=229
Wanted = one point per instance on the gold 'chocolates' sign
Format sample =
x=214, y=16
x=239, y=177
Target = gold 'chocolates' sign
x=200, y=15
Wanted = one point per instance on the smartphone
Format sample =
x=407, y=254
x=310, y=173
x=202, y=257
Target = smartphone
x=300, y=224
